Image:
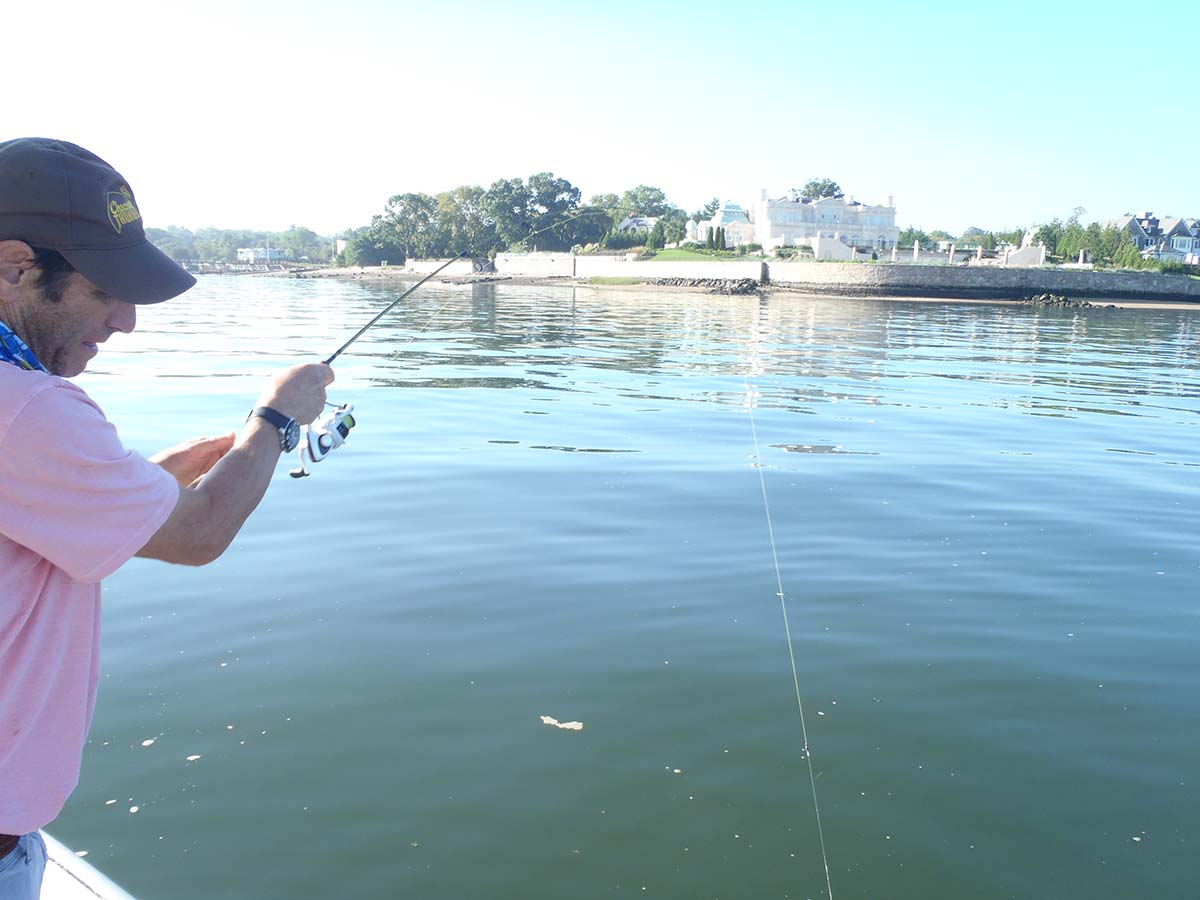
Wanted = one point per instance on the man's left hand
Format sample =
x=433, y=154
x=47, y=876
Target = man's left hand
x=192, y=459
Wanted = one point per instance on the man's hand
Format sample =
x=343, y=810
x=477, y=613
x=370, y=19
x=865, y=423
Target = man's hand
x=298, y=392
x=192, y=459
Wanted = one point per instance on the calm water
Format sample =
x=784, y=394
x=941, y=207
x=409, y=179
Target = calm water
x=989, y=540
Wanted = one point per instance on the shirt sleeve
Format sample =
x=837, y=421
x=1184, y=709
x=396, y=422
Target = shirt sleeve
x=69, y=490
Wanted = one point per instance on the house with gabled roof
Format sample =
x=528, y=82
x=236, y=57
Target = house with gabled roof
x=637, y=223
x=1132, y=226
x=1178, y=237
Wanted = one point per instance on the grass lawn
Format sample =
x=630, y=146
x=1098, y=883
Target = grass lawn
x=681, y=255
x=614, y=279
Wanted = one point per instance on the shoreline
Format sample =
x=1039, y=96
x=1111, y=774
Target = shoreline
x=392, y=275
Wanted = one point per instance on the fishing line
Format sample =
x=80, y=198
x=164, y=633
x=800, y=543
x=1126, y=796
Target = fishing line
x=812, y=779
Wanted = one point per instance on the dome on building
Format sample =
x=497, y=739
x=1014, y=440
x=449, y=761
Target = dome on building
x=730, y=213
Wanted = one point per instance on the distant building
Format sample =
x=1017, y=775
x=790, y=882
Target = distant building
x=730, y=216
x=794, y=220
x=1170, y=237
x=260, y=254
x=631, y=224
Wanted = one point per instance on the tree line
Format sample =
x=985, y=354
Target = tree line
x=1105, y=245
x=221, y=244
x=542, y=212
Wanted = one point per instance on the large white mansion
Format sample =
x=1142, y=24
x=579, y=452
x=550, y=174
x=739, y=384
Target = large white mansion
x=791, y=221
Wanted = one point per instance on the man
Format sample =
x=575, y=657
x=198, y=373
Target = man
x=74, y=503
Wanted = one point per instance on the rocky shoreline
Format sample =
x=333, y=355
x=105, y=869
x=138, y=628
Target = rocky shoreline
x=711, y=285
x=1057, y=300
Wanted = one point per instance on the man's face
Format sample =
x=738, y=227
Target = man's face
x=65, y=334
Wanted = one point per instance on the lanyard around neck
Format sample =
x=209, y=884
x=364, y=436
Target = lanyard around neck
x=16, y=351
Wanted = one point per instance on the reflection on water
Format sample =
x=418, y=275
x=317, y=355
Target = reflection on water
x=989, y=540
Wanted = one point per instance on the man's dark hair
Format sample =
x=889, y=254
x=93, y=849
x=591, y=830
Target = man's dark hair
x=56, y=272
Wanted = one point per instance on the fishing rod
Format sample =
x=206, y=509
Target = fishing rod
x=338, y=352
x=330, y=431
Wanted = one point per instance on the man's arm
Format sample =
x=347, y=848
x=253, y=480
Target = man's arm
x=210, y=512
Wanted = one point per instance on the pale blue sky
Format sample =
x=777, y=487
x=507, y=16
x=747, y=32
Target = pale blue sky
x=996, y=115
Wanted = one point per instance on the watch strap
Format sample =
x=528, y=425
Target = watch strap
x=276, y=418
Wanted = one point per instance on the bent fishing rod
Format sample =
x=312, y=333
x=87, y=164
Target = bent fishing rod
x=330, y=431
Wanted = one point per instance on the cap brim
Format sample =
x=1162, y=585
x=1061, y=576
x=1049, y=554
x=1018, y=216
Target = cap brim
x=138, y=274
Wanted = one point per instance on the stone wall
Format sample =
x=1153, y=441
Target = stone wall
x=536, y=265
x=861, y=279
x=425, y=266
x=619, y=267
x=975, y=281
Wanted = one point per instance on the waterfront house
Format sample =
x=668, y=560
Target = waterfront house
x=793, y=220
x=733, y=218
x=1169, y=237
x=260, y=254
x=1178, y=237
x=630, y=224
x=1134, y=227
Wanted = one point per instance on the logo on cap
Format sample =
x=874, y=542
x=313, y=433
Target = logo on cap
x=121, y=209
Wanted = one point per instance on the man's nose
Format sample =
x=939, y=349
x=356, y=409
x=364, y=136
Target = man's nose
x=122, y=316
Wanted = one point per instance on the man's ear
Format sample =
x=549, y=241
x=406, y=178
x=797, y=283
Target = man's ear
x=16, y=259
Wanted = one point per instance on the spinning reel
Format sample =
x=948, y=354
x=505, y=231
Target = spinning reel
x=324, y=436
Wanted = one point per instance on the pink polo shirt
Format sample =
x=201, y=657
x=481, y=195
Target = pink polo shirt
x=74, y=506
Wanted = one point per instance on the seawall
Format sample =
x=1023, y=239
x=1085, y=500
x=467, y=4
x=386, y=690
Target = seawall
x=851, y=279
x=971, y=282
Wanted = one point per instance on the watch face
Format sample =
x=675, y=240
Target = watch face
x=289, y=436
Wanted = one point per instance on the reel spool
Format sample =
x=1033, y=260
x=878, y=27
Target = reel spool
x=324, y=436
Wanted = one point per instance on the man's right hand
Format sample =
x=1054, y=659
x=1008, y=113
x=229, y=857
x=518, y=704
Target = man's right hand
x=298, y=392
x=210, y=512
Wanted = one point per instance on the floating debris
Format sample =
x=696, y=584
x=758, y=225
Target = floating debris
x=570, y=726
x=133, y=810
x=193, y=757
x=149, y=742
x=81, y=853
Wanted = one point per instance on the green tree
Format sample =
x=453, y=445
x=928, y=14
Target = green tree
x=611, y=204
x=1049, y=234
x=674, y=222
x=542, y=213
x=409, y=221
x=710, y=242
x=302, y=244
x=1112, y=241
x=463, y=225
x=721, y=239
x=707, y=211
x=978, y=236
x=1128, y=257
x=817, y=188
x=372, y=245
x=644, y=200
x=911, y=235
x=178, y=243
x=552, y=205
x=654, y=241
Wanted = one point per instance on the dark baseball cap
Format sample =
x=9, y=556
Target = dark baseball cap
x=58, y=196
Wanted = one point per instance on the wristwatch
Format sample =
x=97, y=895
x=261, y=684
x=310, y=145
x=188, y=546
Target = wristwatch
x=289, y=428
